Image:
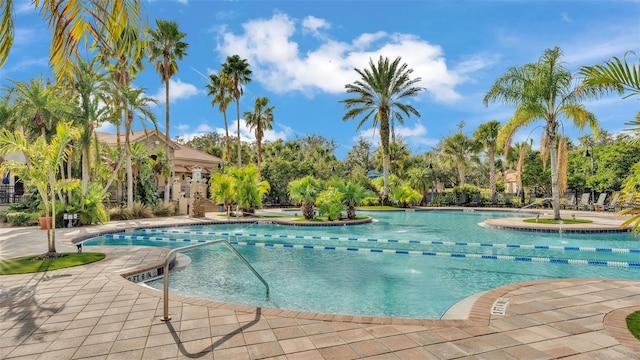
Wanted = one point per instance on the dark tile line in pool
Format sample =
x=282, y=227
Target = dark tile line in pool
x=564, y=231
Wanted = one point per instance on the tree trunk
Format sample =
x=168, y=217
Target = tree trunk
x=553, y=152
x=384, y=140
x=227, y=155
x=85, y=169
x=492, y=171
x=239, y=144
x=167, y=186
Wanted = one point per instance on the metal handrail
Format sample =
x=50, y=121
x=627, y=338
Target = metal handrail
x=171, y=253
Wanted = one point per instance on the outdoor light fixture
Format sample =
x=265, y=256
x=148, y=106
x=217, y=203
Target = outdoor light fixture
x=537, y=217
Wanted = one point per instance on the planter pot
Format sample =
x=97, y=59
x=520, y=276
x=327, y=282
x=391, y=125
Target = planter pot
x=45, y=222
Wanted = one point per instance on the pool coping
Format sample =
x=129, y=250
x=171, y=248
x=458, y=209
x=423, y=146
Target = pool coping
x=480, y=322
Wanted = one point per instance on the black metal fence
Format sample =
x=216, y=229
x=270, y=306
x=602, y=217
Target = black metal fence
x=10, y=195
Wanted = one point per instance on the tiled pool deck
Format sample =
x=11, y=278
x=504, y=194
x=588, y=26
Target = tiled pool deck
x=91, y=312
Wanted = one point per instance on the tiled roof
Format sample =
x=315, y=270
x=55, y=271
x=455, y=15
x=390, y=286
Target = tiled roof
x=182, y=153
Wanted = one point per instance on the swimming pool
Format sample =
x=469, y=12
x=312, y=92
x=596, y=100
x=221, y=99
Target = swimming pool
x=404, y=264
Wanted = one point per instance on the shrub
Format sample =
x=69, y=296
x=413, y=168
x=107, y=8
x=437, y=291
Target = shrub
x=120, y=213
x=164, y=209
x=141, y=210
x=19, y=218
x=469, y=190
x=329, y=203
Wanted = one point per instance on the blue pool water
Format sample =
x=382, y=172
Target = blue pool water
x=404, y=264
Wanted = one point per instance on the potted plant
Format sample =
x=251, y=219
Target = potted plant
x=41, y=169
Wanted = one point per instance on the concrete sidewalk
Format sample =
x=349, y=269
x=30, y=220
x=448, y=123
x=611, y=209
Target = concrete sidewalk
x=92, y=312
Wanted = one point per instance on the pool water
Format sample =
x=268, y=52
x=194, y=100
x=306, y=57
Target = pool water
x=404, y=264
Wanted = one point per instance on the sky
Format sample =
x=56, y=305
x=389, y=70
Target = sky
x=303, y=53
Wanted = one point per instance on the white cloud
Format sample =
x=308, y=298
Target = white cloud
x=106, y=127
x=280, y=132
x=177, y=90
x=414, y=136
x=313, y=25
x=566, y=18
x=278, y=63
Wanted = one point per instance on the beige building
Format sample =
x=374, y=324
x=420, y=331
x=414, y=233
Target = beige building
x=185, y=159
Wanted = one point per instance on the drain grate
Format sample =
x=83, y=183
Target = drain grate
x=500, y=306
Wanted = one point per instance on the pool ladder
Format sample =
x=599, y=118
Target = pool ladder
x=171, y=254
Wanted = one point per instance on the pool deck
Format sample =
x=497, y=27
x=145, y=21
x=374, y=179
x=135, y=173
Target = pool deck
x=92, y=312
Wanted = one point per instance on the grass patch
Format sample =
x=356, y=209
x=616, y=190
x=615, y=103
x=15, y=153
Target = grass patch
x=556, y=222
x=27, y=264
x=319, y=219
x=633, y=324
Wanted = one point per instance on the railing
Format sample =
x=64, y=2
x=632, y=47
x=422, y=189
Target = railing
x=171, y=253
x=8, y=194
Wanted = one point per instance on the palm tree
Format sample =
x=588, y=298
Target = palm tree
x=419, y=179
x=238, y=73
x=90, y=85
x=219, y=88
x=73, y=22
x=487, y=136
x=304, y=191
x=124, y=67
x=353, y=194
x=542, y=90
x=457, y=149
x=166, y=48
x=38, y=106
x=42, y=168
x=136, y=103
x=248, y=190
x=613, y=75
x=221, y=190
x=379, y=95
x=259, y=120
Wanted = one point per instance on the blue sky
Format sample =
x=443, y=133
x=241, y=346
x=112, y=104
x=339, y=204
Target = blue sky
x=302, y=53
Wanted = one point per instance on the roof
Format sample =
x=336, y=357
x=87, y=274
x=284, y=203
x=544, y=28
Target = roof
x=184, y=156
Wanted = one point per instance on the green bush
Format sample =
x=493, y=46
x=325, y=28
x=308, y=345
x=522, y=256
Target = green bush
x=469, y=190
x=329, y=202
x=20, y=218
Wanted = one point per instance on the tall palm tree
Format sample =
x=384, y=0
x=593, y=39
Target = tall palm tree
x=542, y=90
x=136, y=103
x=487, y=136
x=90, y=88
x=73, y=22
x=458, y=149
x=259, y=120
x=124, y=67
x=238, y=73
x=219, y=89
x=378, y=95
x=166, y=48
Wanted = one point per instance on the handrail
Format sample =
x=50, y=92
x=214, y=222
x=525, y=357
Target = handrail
x=166, y=316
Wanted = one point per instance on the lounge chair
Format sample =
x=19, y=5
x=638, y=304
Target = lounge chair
x=611, y=205
x=493, y=201
x=584, y=203
x=599, y=205
x=462, y=200
x=569, y=201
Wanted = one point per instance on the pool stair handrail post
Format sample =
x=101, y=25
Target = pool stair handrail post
x=171, y=254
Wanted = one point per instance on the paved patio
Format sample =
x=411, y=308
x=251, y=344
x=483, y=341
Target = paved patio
x=92, y=312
